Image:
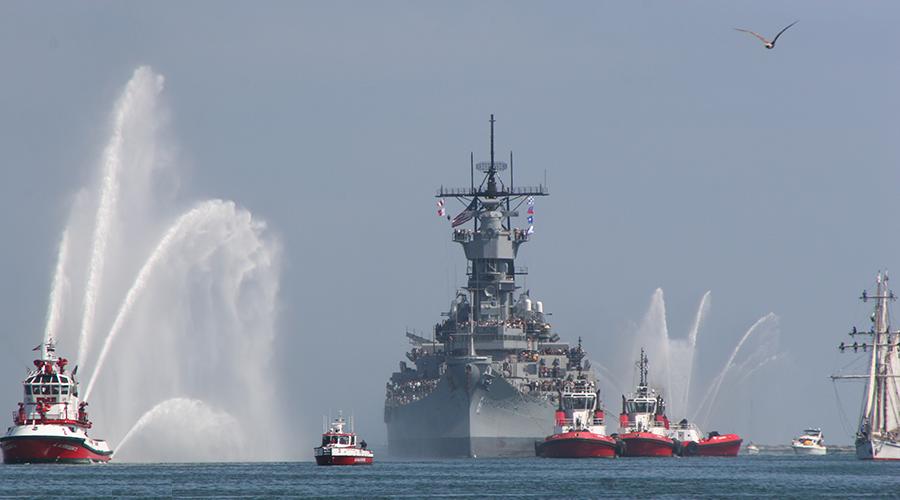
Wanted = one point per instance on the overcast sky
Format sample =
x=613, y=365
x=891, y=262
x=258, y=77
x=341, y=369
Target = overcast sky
x=680, y=155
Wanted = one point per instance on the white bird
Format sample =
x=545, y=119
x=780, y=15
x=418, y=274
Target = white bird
x=769, y=44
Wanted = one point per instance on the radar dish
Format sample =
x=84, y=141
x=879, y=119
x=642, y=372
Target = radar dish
x=485, y=166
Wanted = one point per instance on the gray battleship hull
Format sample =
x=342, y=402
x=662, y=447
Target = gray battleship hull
x=464, y=417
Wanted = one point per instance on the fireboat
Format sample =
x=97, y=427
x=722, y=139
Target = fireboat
x=579, y=431
x=51, y=424
x=341, y=448
x=643, y=424
x=713, y=445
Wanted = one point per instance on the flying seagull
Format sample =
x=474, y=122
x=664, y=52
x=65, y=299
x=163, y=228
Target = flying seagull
x=769, y=44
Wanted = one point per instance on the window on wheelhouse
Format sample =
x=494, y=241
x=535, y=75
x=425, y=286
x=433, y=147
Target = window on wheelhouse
x=641, y=406
x=578, y=402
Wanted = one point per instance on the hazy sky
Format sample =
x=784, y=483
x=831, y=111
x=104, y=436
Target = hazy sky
x=679, y=154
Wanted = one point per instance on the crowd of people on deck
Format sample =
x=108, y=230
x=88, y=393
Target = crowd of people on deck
x=407, y=392
x=530, y=355
x=416, y=353
x=548, y=389
x=511, y=323
x=550, y=372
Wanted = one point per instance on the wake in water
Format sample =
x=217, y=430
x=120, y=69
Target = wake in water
x=183, y=296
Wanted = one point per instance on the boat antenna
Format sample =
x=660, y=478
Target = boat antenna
x=643, y=367
x=472, y=180
x=472, y=171
x=511, y=190
x=492, y=139
x=492, y=170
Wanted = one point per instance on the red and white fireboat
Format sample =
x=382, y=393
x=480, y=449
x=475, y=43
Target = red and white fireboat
x=51, y=425
x=694, y=444
x=341, y=448
x=579, y=431
x=643, y=424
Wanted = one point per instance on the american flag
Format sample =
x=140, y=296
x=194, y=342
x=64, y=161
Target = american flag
x=465, y=215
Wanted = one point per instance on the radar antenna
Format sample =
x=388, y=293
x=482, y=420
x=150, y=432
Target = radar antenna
x=491, y=168
x=642, y=364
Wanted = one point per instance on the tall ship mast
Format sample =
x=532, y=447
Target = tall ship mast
x=487, y=381
x=878, y=435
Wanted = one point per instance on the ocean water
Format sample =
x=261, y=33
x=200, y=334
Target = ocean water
x=745, y=476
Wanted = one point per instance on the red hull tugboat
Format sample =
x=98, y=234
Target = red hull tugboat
x=341, y=448
x=643, y=425
x=51, y=424
x=579, y=432
x=694, y=444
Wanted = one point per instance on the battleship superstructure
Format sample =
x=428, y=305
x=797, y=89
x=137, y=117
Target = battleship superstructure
x=487, y=382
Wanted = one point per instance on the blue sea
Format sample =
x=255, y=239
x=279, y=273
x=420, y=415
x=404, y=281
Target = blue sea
x=745, y=476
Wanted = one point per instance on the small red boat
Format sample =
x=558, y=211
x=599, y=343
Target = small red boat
x=696, y=445
x=51, y=424
x=643, y=426
x=341, y=448
x=579, y=431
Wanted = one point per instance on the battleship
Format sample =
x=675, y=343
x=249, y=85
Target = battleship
x=487, y=382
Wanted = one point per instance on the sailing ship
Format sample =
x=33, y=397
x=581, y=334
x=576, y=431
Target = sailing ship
x=580, y=431
x=486, y=382
x=643, y=425
x=51, y=424
x=342, y=448
x=752, y=448
x=878, y=437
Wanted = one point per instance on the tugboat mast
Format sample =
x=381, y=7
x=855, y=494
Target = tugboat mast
x=642, y=366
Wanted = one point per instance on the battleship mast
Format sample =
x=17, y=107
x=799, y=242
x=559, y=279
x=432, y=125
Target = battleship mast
x=492, y=246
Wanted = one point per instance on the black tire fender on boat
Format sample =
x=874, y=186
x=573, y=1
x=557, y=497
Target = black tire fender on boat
x=677, y=448
x=620, y=448
x=693, y=448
